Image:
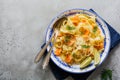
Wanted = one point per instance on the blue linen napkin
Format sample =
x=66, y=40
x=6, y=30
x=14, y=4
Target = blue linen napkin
x=61, y=74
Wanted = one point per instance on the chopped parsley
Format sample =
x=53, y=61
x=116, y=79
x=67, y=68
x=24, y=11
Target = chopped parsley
x=70, y=27
x=74, y=55
x=95, y=29
x=67, y=38
x=81, y=32
x=85, y=46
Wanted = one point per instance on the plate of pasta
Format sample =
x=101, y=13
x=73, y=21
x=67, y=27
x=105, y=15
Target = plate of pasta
x=82, y=43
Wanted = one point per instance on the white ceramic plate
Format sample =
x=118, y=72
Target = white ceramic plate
x=76, y=68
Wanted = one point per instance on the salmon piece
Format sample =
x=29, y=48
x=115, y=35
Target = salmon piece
x=84, y=21
x=99, y=47
x=75, y=20
x=58, y=52
x=71, y=42
x=86, y=32
x=68, y=58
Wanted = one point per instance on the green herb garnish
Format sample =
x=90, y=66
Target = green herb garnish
x=74, y=55
x=106, y=74
x=81, y=32
x=70, y=27
x=85, y=46
x=95, y=29
x=67, y=38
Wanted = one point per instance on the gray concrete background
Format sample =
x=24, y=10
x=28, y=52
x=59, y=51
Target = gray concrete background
x=23, y=25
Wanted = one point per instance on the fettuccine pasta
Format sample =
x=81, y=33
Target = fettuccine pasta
x=79, y=37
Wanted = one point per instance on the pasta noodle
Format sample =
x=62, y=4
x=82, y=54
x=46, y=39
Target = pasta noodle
x=78, y=38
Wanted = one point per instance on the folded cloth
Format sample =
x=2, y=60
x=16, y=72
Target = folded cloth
x=61, y=74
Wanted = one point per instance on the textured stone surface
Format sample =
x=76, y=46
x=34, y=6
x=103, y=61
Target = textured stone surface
x=22, y=30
